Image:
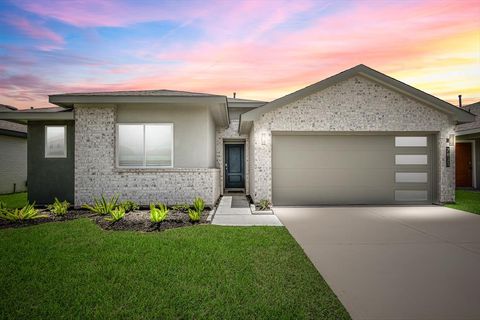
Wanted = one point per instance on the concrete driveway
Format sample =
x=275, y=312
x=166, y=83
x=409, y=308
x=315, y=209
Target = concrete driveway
x=394, y=262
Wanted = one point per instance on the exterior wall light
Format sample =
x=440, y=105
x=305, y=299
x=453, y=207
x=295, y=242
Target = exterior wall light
x=263, y=138
x=451, y=140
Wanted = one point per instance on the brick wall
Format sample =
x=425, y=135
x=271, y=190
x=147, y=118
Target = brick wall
x=96, y=172
x=356, y=104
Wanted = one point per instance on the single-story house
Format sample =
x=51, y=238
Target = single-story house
x=467, y=151
x=13, y=154
x=358, y=137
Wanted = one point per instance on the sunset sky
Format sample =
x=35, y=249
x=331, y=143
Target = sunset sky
x=259, y=49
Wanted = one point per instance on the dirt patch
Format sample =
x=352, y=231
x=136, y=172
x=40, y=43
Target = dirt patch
x=133, y=221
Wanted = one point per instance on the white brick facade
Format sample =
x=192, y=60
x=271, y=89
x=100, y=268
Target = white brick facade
x=356, y=104
x=96, y=173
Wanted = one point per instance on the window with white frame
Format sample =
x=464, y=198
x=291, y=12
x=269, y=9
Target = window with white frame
x=143, y=145
x=55, y=141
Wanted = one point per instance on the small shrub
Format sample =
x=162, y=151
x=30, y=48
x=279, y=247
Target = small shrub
x=199, y=204
x=102, y=206
x=59, y=208
x=28, y=212
x=194, y=215
x=116, y=214
x=129, y=205
x=159, y=214
x=182, y=207
x=264, y=204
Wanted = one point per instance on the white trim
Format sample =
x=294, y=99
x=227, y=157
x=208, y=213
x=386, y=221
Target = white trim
x=467, y=131
x=144, y=124
x=64, y=142
x=474, y=164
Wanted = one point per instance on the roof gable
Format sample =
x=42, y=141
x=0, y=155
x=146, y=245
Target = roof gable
x=459, y=115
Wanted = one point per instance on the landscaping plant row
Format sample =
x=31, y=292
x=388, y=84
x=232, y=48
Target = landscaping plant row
x=111, y=214
x=158, y=212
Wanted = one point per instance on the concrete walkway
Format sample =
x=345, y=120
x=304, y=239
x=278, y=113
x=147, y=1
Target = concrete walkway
x=394, y=262
x=235, y=211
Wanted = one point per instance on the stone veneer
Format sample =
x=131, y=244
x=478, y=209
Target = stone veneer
x=97, y=174
x=229, y=134
x=356, y=104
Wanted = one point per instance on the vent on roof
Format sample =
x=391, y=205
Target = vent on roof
x=234, y=95
x=459, y=100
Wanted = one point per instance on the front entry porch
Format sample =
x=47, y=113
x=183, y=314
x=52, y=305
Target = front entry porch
x=234, y=166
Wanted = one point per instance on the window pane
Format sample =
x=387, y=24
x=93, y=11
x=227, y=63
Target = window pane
x=130, y=145
x=411, y=159
x=55, y=142
x=411, y=195
x=410, y=141
x=158, y=145
x=412, y=177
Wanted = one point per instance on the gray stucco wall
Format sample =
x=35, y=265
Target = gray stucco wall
x=211, y=142
x=194, y=130
x=357, y=104
x=49, y=177
x=13, y=164
x=96, y=173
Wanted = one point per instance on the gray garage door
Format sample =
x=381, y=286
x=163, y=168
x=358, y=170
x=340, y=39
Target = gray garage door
x=351, y=169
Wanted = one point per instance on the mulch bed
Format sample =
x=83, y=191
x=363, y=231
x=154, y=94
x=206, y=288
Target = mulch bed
x=140, y=221
x=133, y=221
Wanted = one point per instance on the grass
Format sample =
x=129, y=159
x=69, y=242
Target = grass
x=14, y=200
x=76, y=270
x=467, y=201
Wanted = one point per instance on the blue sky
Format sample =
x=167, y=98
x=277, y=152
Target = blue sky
x=259, y=49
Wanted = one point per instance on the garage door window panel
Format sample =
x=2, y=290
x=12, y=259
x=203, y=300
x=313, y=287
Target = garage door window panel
x=411, y=177
x=411, y=159
x=410, y=141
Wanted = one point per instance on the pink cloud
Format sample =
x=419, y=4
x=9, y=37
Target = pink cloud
x=102, y=13
x=216, y=15
x=256, y=48
x=387, y=38
x=34, y=30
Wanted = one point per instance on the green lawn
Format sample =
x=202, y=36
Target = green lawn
x=467, y=201
x=14, y=200
x=76, y=270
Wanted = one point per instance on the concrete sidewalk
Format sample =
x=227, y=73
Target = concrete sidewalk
x=235, y=211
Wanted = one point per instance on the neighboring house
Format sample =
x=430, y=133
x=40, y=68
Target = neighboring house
x=13, y=154
x=359, y=137
x=467, y=155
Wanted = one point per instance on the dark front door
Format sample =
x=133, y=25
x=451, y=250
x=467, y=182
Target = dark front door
x=234, y=166
x=463, y=165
